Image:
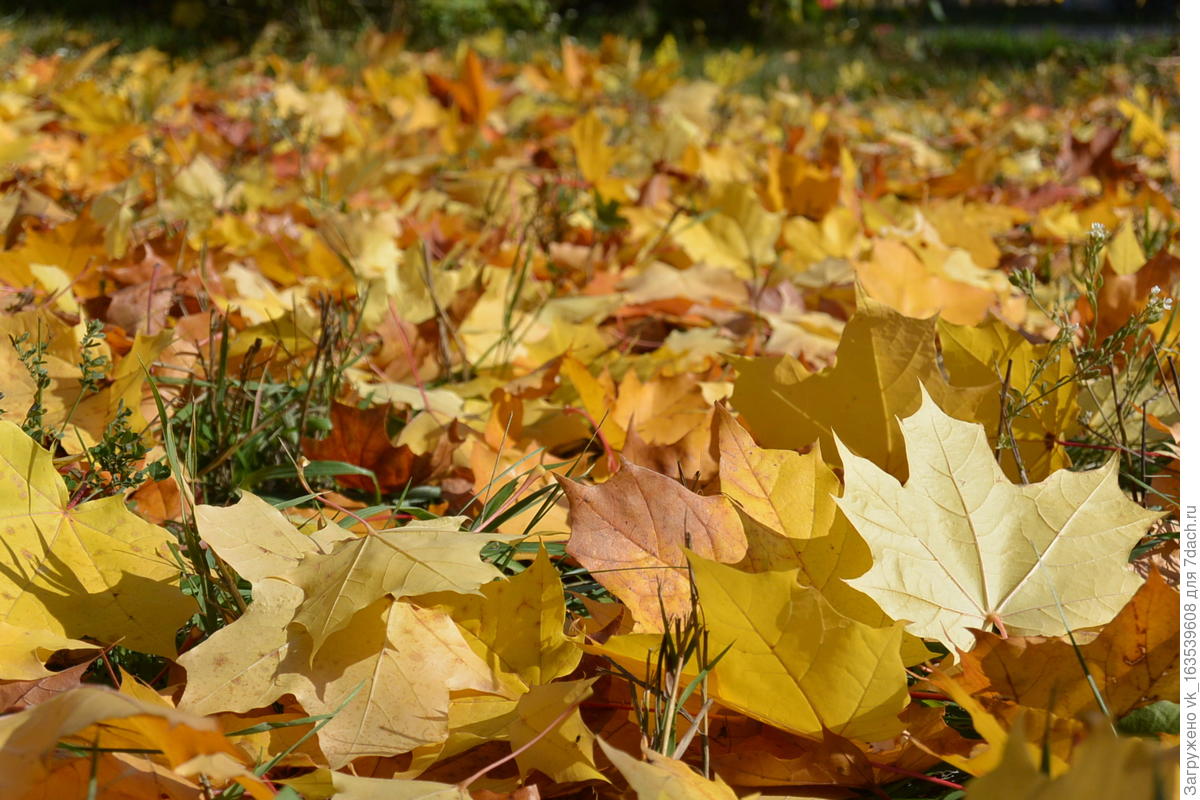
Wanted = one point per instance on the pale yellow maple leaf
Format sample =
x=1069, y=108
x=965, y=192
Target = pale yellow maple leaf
x=324, y=783
x=195, y=195
x=251, y=662
x=420, y=558
x=958, y=546
x=246, y=665
x=392, y=664
x=87, y=420
x=393, y=667
x=114, y=210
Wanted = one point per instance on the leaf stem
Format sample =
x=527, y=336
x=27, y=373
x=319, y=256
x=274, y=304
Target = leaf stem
x=554, y=724
x=908, y=773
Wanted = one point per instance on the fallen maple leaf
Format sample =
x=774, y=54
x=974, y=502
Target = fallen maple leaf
x=794, y=661
x=325, y=783
x=564, y=753
x=516, y=626
x=630, y=533
x=1041, y=375
x=28, y=738
x=471, y=92
x=1122, y=295
x=388, y=676
x=737, y=233
x=1107, y=768
x=792, y=521
x=883, y=361
x=359, y=437
x=787, y=492
x=115, y=776
x=973, y=756
x=15, y=695
x=251, y=662
x=958, y=546
x=24, y=651
x=92, y=569
x=392, y=664
x=771, y=757
x=896, y=276
x=419, y=558
x=663, y=778
x=1133, y=661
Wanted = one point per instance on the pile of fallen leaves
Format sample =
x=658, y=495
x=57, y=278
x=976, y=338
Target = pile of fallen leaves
x=679, y=440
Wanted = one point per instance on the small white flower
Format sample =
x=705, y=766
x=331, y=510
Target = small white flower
x=1155, y=291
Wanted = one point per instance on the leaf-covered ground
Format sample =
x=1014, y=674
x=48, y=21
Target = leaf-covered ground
x=488, y=423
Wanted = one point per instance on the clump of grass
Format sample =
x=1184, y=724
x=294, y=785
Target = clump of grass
x=1131, y=367
x=117, y=462
x=661, y=695
x=235, y=417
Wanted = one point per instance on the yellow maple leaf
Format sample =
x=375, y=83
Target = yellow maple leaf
x=23, y=652
x=92, y=569
x=596, y=158
x=565, y=753
x=1040, y=375
x=663, y=778
x=883, y=360
x=392, y=664
x=516, y=626
x=793, y=660
x=896, y=276
x=1107, y=768
x=792, y=522
x=737, y=232
x=406, y=660
x=324, y=783
x=1124, y=251
x=352, y=573
x=958, y=546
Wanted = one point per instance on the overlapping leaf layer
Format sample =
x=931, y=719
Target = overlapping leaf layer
x=499, y=424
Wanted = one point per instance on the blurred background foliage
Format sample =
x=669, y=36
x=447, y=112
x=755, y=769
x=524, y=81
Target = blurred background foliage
x=189, y=26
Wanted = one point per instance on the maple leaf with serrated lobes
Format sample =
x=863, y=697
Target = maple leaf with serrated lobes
x=958, y=546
